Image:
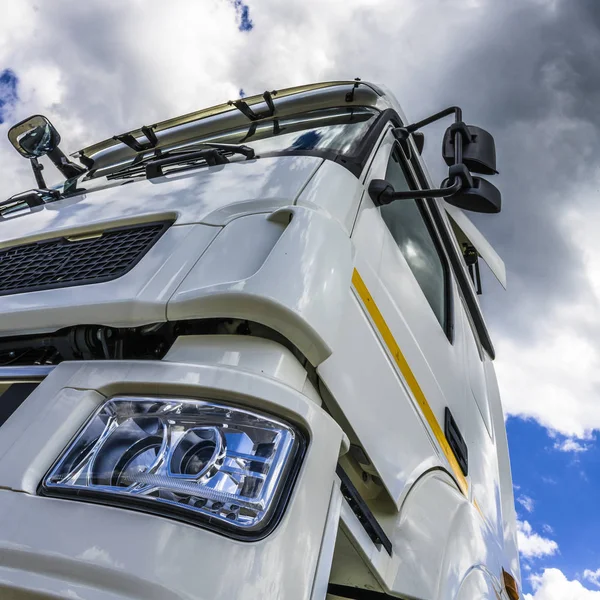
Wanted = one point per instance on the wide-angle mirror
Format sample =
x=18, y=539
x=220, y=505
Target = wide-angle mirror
x=34, y=137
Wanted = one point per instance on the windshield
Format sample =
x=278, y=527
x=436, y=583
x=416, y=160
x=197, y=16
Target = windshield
x=338, y=130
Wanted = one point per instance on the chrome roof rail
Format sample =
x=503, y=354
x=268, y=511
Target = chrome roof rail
x=25, y=374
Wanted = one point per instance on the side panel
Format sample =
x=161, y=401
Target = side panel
x=439, y=539
x=475, y=414
x=360, y=376
x=297, y=289
x=435, y=363
x=443, y=370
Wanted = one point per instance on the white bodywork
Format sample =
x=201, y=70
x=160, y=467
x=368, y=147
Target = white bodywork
x=296, y=244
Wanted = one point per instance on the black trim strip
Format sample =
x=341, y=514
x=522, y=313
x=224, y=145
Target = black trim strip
x=363, y=512
x=354, y=593
x=456, y=441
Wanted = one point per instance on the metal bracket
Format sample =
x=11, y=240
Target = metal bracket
x=247, y=111
x=363, y=512
x=212, y=156
x=350, y=94
x=129, y=140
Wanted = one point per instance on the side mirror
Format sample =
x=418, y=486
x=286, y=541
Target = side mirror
x=34, y=137
x=482, y=197
x=478, y=148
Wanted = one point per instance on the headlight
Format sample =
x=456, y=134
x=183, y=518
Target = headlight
x=224, y=467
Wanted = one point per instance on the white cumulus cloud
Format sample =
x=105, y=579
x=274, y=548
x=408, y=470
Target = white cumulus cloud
x=592, y=576
x=533, y=545
x=526, y=502
x=570, y=445
x=547, y=529
x=555, y=378
x=552, y=584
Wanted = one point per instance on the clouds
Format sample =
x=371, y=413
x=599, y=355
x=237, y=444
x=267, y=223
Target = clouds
x=531, y=544
x=592, y=576
x=570, y=445
x=555, y=378
x=526, y=502
x=552, y=584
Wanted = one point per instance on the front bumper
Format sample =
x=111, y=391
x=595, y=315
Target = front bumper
x=74, y=549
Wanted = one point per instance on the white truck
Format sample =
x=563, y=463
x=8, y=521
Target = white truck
x=242, y=357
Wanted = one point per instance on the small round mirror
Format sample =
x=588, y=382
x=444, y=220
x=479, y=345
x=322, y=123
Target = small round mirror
x=34, y=137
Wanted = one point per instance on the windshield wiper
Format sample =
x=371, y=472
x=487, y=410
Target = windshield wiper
x=211, y=153
x=30, y=199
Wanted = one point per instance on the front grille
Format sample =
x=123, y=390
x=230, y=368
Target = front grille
x=63, y=262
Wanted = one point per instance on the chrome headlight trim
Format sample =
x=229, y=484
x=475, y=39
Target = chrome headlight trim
x=221, y=466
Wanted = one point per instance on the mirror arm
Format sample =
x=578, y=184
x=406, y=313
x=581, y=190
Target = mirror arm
x=64, y=165
x=456, y=110
x=459, y=129
x=37, y=169
x=382, y=192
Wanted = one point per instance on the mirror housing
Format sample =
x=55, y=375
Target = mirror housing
x=34, y=137
x=482, y=197
x=478, y=152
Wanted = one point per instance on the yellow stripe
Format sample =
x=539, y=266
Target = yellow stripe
x=409, y=377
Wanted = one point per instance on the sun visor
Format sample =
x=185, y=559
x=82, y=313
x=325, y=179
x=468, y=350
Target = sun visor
x=466, y=231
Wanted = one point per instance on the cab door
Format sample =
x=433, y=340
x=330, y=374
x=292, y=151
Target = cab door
x=403, y=271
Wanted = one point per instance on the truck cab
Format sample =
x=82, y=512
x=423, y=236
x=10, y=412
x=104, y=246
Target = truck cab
x=242, y=356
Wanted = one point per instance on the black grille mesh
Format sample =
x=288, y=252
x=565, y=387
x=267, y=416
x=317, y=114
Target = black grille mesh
x=61, y=263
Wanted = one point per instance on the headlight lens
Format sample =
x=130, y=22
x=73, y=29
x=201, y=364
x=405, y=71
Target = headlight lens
x=226, y=467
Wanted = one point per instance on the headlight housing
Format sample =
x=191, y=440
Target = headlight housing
x=224, y=467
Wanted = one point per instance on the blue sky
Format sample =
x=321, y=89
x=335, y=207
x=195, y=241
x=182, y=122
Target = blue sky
x=563, y=488
x=243, y=14
x=526, y=70
x=8, y=93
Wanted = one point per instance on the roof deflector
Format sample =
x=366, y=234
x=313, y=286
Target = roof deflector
x=90, y=152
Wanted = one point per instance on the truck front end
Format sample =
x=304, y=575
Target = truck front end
x=170, y=318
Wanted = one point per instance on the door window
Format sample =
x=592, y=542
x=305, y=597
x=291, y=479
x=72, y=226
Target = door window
x=409, y=227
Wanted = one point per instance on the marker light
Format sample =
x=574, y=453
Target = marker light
x=221, y=466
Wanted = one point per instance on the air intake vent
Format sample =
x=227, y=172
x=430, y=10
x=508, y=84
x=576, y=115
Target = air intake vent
x=69, y=261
